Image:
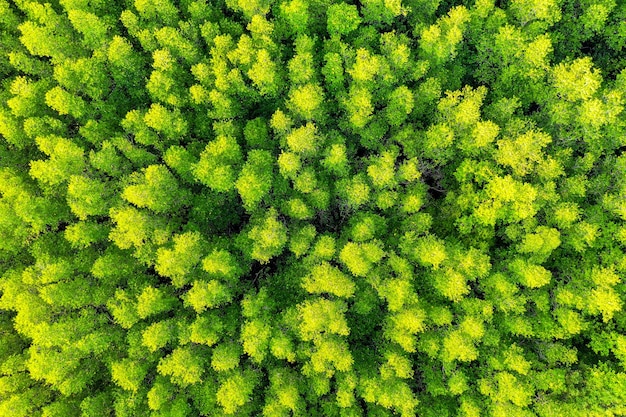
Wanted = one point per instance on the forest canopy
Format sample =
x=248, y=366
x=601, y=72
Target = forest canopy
x=313, y=208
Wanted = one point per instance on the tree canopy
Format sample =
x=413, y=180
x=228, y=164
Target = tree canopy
x=332, y=208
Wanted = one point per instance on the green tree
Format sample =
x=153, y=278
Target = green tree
x=268, y=237
x=342, y=19
x=156, y=189
x=325, y=278
x=184, y=366
x=255, y=179
x=66, y=159
x=217, y=163
x=321, y=316
x=264, y=74
x=439, y=41
x=178, y=262
x=307, y=101
x=296, y=14
x=154, y=301
x=235, y=391
x=361, y=257
x=87, y=197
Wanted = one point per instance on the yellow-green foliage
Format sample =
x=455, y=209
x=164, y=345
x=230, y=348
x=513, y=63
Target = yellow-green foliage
x=313, y=208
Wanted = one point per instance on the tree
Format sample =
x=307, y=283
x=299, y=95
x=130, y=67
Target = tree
x=342, y=19
x=400, y=105
x=159, y=335
x=303, y=140
x=301, y=240
x=302, y=66
x=163, y=11
x=333, y=71
x=439, y=41
x=325, y=278
x=87, y=197
x=178, y=262
x=133, y=228
x=255, y=337
x=528, y=10
x=175, y=41
x=257, y=134
x=576, y=80
x=154, y=301
x=285, y=395
x=235, y=391
x=47, y=34
x=268, y=237
x=217, y=163
x=296, y=14
x=264, y=74
x=93, y=29
x=156, y=189
x=108, y=160
x=359, y=106
x=402, y=326
x=66, y=103
x=223, y=264
x=391, y=394
x=121, y=55
x=66, y=159
x=522, y=153
x=171, y=124
x=184, y=366
x=207, y=294
x=255, y=178
x=129, y=374
x=306, y=101
x=331, y=354
x=361, y=257
x=225, y=357
x=321, y=316
x=356, y=191
x=383, y=11
x=28, y=97
x=382, y=170
x=181, y=161
x=336, y=160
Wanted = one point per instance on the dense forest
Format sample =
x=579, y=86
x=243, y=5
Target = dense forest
x=313, y=208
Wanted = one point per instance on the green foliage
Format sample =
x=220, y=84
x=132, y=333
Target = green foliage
x=440, y=40
x=153, y=301
x=322, y=316
x=342, y=19
x=268, y=237
x=312, y=208
x=215, y=168
x=206, y=294
x=66, y=159
x=325, y=278
x=235, y=391
x=360, y=257
x=255, y=179
x=178, y=262
x=184, y=365
x=157, y=190
x=87, y=197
